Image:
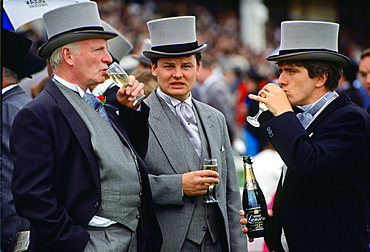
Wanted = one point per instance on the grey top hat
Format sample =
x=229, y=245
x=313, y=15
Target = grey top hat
x=309, y=40
x=172, y=37
x=72, y=23
x=118, y=46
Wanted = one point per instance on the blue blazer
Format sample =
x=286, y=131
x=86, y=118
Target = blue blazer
x=323, y=203
x=56, y=182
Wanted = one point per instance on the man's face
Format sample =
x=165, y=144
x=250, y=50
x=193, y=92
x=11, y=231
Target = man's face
x=176, y=76
x=364, y=70
x=299, y=88
x=91, y=62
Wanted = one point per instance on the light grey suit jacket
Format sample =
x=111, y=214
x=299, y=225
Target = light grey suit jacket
x=166, y=160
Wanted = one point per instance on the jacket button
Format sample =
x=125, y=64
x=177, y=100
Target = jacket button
x=192, y=200
x=138, y=216
x=96, y=204
x=204, y=228
x=269, y=132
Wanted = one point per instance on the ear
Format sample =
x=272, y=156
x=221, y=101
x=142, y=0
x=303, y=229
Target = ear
x=198, y=68
x=321, y=79
x=154, y=70
x=67, y=55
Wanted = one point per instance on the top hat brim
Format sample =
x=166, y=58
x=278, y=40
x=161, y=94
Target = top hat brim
x=158, y=54
x=46, y=49
x=19, y=70
x=312, y=55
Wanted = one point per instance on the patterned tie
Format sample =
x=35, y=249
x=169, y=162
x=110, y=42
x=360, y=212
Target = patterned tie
x=186, y=117
x=96, y=104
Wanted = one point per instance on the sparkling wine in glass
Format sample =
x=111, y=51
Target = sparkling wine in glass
x=120, y=77
x=210, y=164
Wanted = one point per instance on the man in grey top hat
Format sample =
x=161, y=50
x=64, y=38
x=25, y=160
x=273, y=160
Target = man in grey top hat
x=179, y=141
x=322, y=200
x=77, y=177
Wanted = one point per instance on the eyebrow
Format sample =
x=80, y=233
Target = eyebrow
x=284, y=68
x=182, y=63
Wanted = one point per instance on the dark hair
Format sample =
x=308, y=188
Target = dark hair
x=365, y=53
x=317, y=68
x=198, y=57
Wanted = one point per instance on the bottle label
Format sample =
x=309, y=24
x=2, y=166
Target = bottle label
x=251, y=184
x=255, y=219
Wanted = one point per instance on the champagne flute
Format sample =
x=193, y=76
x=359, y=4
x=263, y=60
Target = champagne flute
x=120, y=77
x=253, y=120
x=210, y=164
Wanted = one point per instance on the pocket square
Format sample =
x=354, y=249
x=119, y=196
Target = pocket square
x=222, y=148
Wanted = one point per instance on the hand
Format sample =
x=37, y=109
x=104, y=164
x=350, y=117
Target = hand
x=274, y=97
x=244, y=221
x=197, y=182
x=127, y=96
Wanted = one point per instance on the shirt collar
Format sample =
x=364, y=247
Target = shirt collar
x=316, y=106
x=72, y=86
x=173, y=101
x=8, y=88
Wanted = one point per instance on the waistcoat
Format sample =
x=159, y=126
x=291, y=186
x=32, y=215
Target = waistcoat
x=119, y=171
x=205, y=216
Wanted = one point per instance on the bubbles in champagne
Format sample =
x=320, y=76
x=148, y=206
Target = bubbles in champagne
x=210, y=167
x=120, y=79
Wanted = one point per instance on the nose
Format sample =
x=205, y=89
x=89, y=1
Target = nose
x=281, y=80
x=107, y=58
x=177, y=72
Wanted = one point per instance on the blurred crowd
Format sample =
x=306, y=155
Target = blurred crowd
x=239, y=68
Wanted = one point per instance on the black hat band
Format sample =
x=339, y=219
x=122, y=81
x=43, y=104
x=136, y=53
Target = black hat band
x=176, y=48
x=284, y=52
x=90, y=28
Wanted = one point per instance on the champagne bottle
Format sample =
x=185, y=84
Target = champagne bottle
x=254, y=203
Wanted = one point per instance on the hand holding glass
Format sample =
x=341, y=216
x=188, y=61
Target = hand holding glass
x=120, y=77
x=253, y=120
x=210, y=164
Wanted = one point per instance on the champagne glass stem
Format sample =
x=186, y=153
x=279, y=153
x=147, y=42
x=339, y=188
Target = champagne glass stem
x=138, y=98
x=258, y=114
x=253, y=120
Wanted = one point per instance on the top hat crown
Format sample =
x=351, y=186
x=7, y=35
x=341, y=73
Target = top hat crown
x=309, y=40
x=172, y=37
x=14, y=51
x=72, y=23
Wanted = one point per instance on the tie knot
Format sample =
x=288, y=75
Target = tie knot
x=185, y=111
x=92, y=100
x=96, y=104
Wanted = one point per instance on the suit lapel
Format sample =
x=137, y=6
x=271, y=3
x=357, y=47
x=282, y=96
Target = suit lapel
x=327, y=111
x=209, y=124
x=77, y=126
x=165, y=132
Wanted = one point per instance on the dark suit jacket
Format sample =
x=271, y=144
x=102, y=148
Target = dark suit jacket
x=13, y=100
x=324, y=203
x=56, y=182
